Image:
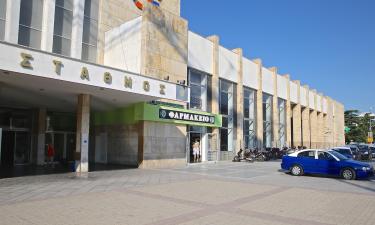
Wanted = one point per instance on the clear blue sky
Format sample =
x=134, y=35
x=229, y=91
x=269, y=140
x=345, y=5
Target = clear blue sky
x=327, y=44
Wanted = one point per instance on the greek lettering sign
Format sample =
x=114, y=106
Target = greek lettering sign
x=186, y=116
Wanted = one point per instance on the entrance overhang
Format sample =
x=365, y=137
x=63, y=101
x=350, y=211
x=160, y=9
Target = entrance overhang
x=33, y=78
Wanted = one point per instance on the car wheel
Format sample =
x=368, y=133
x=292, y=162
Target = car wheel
x=296, y=170
x=348, y=174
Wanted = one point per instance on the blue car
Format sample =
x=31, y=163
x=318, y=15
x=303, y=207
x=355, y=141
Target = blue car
x=325, y=162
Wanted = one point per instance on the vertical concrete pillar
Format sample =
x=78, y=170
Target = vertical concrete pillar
x=320, y=130
x=314, y=123
x=320, y=122
x=83, y=128
x=259, y=105
x=275, y=110
x=329, y=128
x=12, y=21
x=48, y=25
x=338, y=124
x=306, y=134
x=297, y=118
x=288, y=109
x=41, y=136
x=215, y=86
x=77, y=28
x=239, y=104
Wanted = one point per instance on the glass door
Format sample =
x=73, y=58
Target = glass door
x=195, y=147
x=22, y=147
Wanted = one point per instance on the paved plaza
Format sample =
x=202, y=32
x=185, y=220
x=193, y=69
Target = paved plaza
x=222, y=193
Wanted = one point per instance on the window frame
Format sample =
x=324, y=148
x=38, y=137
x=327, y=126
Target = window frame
x=249, y=134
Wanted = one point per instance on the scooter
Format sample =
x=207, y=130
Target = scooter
x=245, y=156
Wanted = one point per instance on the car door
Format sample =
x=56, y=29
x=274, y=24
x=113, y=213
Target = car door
x=307, y=160
x=326, y=164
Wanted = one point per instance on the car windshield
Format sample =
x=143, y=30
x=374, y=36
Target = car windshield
x=338, y=155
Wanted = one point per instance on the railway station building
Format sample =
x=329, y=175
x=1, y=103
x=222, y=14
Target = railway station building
x=124, y=82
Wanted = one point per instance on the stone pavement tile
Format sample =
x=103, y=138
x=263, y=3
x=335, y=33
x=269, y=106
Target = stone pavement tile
x=320, y=206
x=206, y=191
x=98, y=208
x=223, y=218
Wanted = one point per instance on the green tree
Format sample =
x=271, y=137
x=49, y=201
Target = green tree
x=358, y=125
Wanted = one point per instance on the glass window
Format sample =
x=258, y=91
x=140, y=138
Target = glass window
x=267, y=121
x=30, y=24
x=249, y=118
x=226, y=104
x=308, y=154
x=62, y=33
x=198, y=90
x=3, y=6
x=90, y=30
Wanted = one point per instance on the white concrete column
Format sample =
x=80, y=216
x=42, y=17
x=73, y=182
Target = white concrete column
x=288, y=108
x=306, y=129
x=83, y=129
x=215, y=88
x=297, y=118
x=40, y=156
x=240, y=116
x=12, y=21
x=48, y=25
x=77, y=28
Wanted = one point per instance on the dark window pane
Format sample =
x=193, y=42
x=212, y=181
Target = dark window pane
x=61, y=45
x=2, y=29
x=224, y=103
x=223, y=139
x=90, y=31
x=29, y=37
x=225, y=86
x=31, y=13
x=92, y=9
x=63, y=22
x=246, y=108
x=67, y=4
x=88, y=53
x=246, y=125
x=3, y=8
x=225, y=121
x=195, y=97
x=195, y=78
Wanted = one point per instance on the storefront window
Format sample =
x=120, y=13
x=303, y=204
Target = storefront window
x=62, y=33
x=226, y=110
x=282, y=122
x=249, y=118
x=30, y=25
x=198, y=90
x=90, y=30
x=3, y=7
x=267, y=120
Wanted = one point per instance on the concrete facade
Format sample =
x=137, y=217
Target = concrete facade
x=160, y=58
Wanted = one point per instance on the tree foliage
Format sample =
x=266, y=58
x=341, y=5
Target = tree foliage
x=358, y=125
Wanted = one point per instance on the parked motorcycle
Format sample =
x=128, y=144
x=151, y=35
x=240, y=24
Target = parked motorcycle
x=245, y=156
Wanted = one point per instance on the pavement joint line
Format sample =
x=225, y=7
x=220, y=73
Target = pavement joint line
x=275, y=218
x=92, y=190
x=249, y=180
x=170, y=199
x=223, y=207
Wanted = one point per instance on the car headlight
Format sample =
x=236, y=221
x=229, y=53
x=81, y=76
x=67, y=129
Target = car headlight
x=365, y=153
x=366, y=168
